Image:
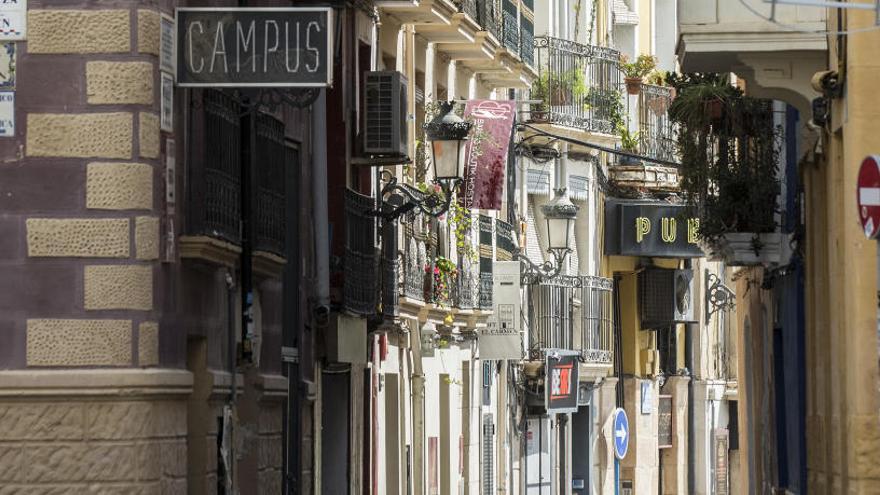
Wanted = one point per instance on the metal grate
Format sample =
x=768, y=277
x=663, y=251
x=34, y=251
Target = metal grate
x=272, y=161
x=490, y=16
x=656, y=130
x=488, y=454
x=416, y=265
x=527, y=41
x=221, y=205
x=511, y=27
x=580, y=85
x=361, y=257
x=655, y=297
x=596, y=345
x=468, y=7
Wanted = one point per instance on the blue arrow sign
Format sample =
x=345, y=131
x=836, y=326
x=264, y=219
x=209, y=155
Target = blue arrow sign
x=621, y=433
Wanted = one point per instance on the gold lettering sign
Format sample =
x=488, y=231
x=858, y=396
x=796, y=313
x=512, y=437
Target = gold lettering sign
x=693, y=230
x=668, y=230
x=643, y=226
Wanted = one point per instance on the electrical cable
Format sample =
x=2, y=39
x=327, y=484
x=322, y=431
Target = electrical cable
x=797, y=29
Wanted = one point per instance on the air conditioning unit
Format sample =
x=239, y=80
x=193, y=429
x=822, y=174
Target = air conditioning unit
x=385, y=118
x=666, y=297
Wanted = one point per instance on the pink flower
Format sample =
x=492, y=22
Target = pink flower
x=442, y=218
x=436, y=270
x=437, y=188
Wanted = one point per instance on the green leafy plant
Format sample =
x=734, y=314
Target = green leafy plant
x=629, y=141
x=607, y=105
x=657, y=78
x=560, y=88
x=639, y=68
x=445, y=273
x=729, y=150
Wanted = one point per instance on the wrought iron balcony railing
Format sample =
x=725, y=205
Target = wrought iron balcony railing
x=552, y=317
x=580, y=85
x=270, y=209
x=468, y=7
x=527, y=41
x=361, y=254
x=425, y=280
x=511, y=27
x=490, y=16
x=656, y=131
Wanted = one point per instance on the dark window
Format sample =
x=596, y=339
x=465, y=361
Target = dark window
x=273, y=158
x=214, y=202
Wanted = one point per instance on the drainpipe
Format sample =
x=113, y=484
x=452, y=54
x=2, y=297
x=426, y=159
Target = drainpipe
x=319, y=210
x=418, y=409
x=689, y=358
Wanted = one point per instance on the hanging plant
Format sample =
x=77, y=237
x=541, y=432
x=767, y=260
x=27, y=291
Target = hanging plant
x=445, y=275
x=729, y=154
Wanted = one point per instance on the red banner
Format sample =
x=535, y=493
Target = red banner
x=486, y=152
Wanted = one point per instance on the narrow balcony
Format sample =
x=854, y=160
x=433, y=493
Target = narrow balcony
x=575, y=313
x=580, y=85
x=656, y=139
x=428, y=280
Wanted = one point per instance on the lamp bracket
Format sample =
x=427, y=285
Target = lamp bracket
x=398, y=199
x=719, y=297
x=534, y=273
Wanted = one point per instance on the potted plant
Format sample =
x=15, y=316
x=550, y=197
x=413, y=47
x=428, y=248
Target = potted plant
x=634, y=72
x=729, y=158
x=559, y=88
x=629, y=142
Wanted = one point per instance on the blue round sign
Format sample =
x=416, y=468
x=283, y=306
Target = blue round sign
x=621, y=433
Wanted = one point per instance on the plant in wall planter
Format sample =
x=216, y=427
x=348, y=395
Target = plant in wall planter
x=729, y=151
x=445, y=275
x=629, y=142
x=635, y=72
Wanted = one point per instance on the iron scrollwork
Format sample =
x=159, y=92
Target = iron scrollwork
x=401, y=199
x=718, y=296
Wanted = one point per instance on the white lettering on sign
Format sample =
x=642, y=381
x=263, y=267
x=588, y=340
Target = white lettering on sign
x=869, y=196
x=7, y=114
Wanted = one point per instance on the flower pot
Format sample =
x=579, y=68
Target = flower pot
x=633, y=85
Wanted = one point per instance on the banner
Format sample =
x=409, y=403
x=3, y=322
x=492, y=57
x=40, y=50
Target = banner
x=486, y=152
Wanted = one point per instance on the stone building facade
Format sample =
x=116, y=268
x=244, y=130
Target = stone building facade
x=115, y=313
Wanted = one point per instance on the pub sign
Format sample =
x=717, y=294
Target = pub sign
x=561, y=385
x=642, y=228
x=254, y=47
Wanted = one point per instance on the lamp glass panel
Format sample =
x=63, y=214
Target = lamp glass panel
x=559, y=232
x=447, y=154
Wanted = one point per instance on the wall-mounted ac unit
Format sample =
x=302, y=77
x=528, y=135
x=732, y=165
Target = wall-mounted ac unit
x=385, y=118
x=666, y=297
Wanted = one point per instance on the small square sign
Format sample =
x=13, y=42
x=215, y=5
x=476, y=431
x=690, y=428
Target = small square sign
x=167, y=110
x=166, y=44
x=13, y=19
x=7, y=113
x=7, y=66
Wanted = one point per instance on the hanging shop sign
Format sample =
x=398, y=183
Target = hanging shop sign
x=486, y=152
x=504, y=245
x=639, y=228
x=13, y=20
x=561, y=385
x=501, y=338
x=256, y=47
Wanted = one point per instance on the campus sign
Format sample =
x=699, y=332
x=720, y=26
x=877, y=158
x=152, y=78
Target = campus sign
x=639, y=228
x=254, y=47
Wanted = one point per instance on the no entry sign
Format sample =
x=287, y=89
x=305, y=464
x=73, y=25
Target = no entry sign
x=869, y=196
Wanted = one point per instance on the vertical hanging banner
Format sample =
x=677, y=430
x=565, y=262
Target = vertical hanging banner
x=486, y=261
x=486, y=152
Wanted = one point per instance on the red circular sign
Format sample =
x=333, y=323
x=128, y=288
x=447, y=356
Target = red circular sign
x=868, y=195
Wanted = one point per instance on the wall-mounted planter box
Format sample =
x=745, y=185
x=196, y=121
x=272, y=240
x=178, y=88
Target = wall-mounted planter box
x=629, y=173
x=747, y=248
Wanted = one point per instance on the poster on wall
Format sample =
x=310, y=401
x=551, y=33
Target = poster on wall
x=486, y=152
x=722, y=482
x=501, y=337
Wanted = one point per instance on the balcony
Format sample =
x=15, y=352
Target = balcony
x=656, y=135
x=573, y=312
x=580, y=85
x=725, y=35
x=361, y=256
x=426, y=282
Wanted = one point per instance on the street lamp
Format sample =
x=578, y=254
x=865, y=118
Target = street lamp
x=560, y=214
x=446, y=134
